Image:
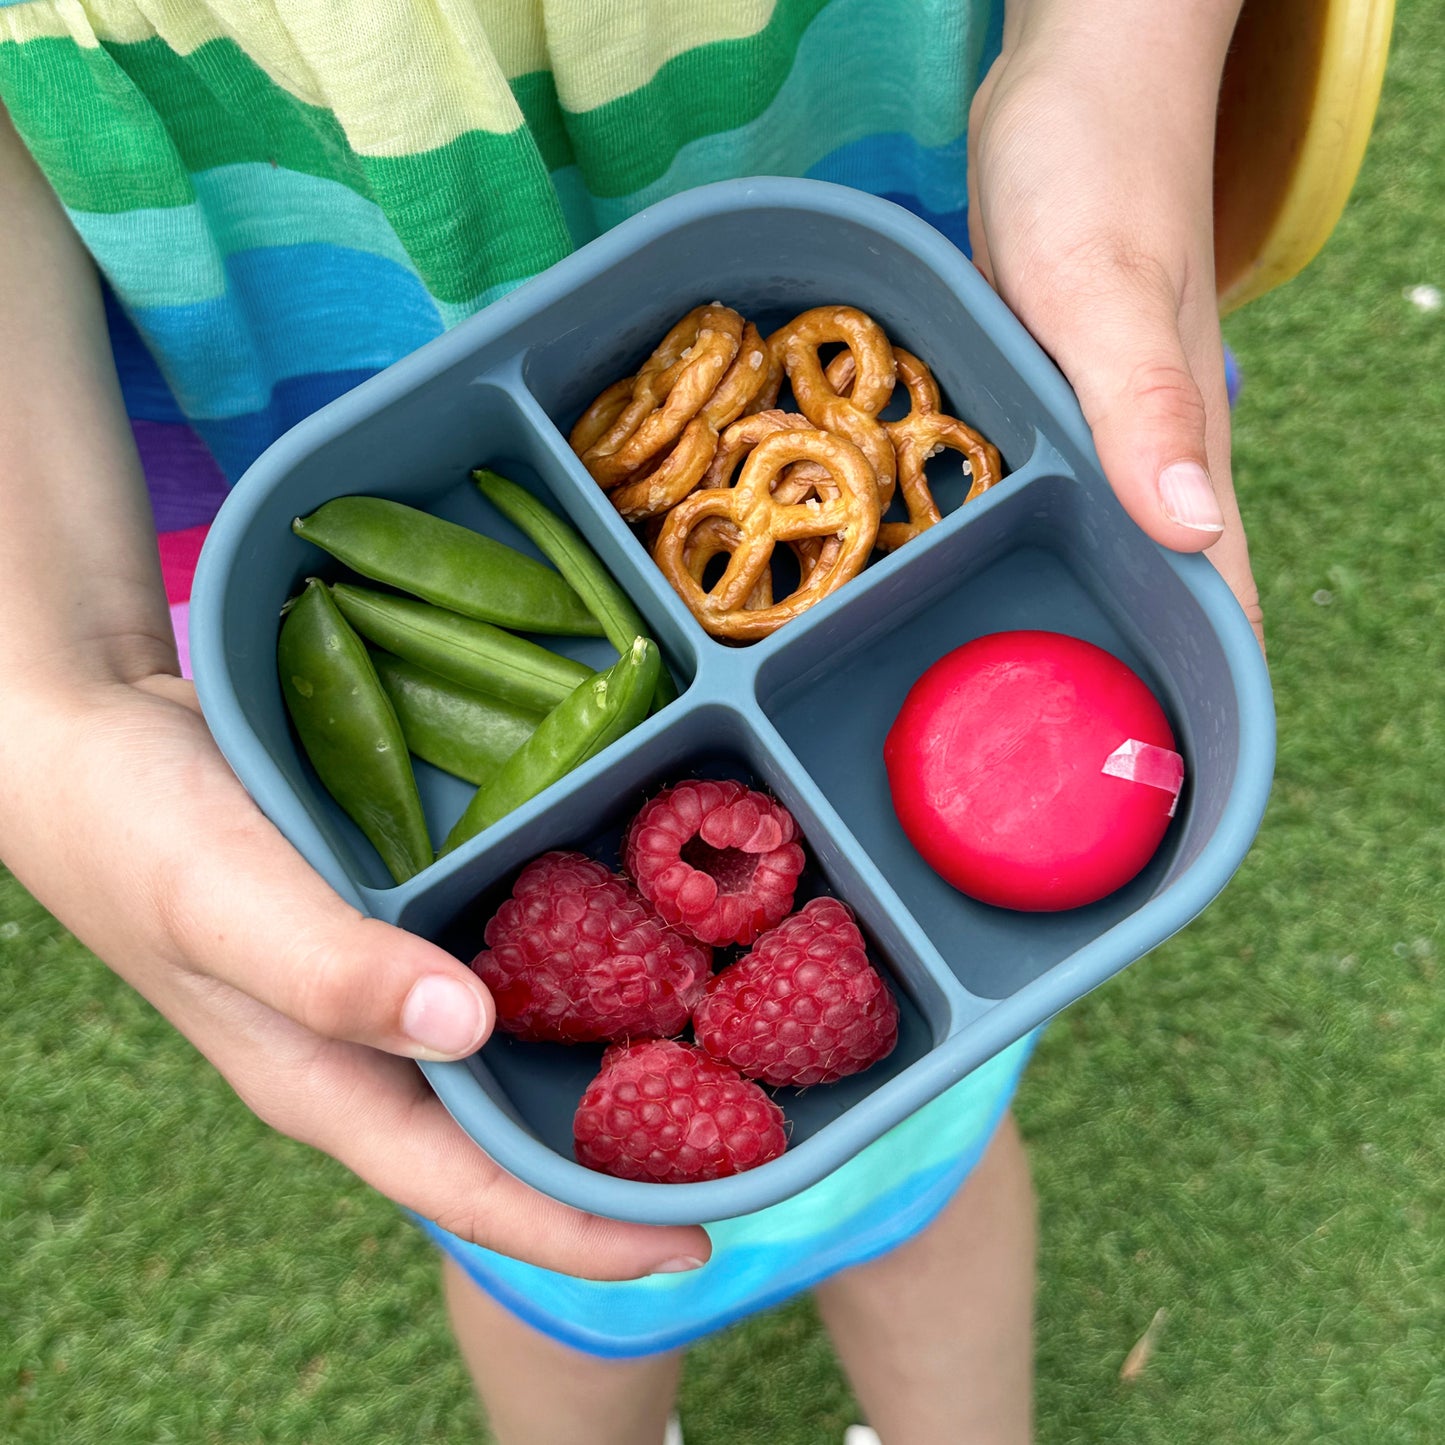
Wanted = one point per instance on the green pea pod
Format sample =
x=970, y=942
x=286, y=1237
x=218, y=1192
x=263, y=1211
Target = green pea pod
x=350, y=731
x=464, y=733
x=446, y=564
x=565, y=549
x=461, y=649
x=599, y=712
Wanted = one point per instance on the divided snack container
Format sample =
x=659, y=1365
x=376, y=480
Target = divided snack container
x=802, y=713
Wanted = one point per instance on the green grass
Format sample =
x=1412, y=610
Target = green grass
x=1244, y=1130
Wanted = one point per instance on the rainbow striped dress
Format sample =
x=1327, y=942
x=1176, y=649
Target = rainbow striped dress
x=284, y=196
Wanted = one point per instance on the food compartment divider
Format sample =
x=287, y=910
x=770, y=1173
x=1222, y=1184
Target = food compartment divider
x=1030, y=562
x=585, y=503
x=528, y=1092
x=872, y=602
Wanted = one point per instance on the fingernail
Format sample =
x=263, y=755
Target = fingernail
x=679, y=1265
x=1188, y=498
x=442, y=1016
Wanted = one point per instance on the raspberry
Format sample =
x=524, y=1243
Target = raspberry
x=804, y=1007
x=575, y=954
x=715, y=859
x=665, y=1113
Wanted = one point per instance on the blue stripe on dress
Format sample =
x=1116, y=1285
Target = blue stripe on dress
x=290, y=311
x=237, y=441
x=142, y=387
x=936, y=177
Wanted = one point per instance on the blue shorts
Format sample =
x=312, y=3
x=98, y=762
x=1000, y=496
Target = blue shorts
x=865, y=1208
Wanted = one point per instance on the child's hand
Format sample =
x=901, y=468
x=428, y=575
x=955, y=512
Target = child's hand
x=1091, y=211
x=119, y=813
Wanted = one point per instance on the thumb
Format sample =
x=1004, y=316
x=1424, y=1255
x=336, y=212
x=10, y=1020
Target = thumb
x=1121, y=349
x=253, y=914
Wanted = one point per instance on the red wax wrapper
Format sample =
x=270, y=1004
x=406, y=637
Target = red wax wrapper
x=1033, y=770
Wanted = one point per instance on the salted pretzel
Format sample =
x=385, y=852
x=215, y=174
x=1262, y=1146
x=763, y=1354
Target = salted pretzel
x=743, y=435
x=854, y=416
x=925, y=432
x=767, y=397
x=670, y=389
x=600, y=415
x=681, y=469
x=794, y=482
x=713, y=536
x=762, y=523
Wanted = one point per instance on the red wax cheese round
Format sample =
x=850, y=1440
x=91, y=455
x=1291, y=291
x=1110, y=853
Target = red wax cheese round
x=1033, y=771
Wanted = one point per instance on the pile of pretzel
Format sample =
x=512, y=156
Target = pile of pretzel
x=694, y=448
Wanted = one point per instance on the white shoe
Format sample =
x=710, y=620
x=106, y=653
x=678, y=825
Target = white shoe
x=860, y=1435
x=673, y=1434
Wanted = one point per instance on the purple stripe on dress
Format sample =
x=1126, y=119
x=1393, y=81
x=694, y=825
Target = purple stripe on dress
x=186, y=485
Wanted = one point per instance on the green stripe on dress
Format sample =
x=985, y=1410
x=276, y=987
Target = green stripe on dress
x=710, y=89
x=99, y=140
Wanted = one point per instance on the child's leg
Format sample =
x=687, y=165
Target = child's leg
x=937, y=1337
x=538, y=1392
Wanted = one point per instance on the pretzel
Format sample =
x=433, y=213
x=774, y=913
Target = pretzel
x=671, y=388
x=746, y=380
x=794, y=482
x=682, y=468
x=742, y=436
x=923, y=433
x=713, y=536
x=598, y=417
x=733, y=446
x=767, y=397
x=854, y=416
x=849, y=518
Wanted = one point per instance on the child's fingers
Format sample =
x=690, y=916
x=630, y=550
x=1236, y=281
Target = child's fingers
x=224, y=895
x=149, y=848
x=1199, y=326
x=379, y=1117
x=134, y=832
x=251, y=913
x=399, y=1138
x=1111, y=322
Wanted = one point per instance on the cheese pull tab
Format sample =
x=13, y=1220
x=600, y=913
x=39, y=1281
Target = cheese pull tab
x=1153, y=766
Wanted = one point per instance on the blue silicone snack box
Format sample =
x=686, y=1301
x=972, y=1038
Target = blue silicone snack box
x=802, y=713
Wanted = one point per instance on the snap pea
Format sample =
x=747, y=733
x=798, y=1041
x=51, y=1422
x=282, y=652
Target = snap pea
x=446, y=564
x=565, y=549
x=473, y=653
x=350, y=731
x=462, y=732
x=597, y=713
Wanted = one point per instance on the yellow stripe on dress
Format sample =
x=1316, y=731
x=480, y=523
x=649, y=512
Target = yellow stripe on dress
x=641, y=36
x=517, y=31
x=64, y=20
x=400, y=76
